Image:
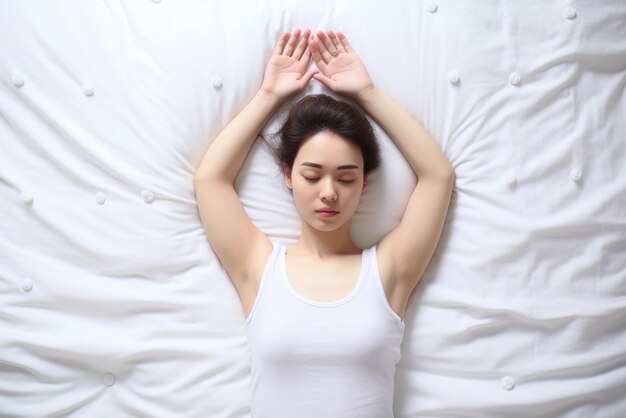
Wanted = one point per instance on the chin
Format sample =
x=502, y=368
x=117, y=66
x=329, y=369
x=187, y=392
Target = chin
x=325, y=228
x=328, y=226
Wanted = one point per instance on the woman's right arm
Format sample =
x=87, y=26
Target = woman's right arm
x=241, y=247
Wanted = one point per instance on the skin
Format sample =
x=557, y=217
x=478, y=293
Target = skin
x=328, y=174
x=324, y=262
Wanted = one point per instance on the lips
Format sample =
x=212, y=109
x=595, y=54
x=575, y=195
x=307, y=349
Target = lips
x=327, y=212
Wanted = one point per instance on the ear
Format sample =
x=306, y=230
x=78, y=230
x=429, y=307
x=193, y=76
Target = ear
x=364, y=184
x=287, y=174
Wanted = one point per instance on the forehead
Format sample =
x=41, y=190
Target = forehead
x=327, y=148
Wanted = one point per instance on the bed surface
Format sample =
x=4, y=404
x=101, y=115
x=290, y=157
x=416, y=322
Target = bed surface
x=112, y=302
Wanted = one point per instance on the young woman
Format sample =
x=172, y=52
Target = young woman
x=324, y=317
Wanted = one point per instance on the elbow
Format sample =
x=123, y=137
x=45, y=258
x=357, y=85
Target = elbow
x=202, y=181
x=197, y=180
x=200, y=174
x=205, y=177
x=210, y=182
x=445, y=174
x=197, y=186
x=441, y=171
x=444, y=178
x=449, y=174
x=449, y=179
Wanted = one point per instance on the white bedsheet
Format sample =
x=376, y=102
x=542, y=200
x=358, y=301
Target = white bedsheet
x=111, y=300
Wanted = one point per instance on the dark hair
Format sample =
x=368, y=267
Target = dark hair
x=319, y=112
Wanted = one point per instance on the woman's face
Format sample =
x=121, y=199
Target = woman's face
x=327, y=180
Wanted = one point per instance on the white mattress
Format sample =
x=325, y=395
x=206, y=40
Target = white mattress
x=112, y=302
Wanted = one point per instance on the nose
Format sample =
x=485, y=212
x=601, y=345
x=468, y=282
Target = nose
x=328, y=191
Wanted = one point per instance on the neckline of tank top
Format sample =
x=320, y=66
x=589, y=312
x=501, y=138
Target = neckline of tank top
x=321, y=303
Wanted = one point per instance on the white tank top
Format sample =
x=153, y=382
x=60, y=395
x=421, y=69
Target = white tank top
x=322, y=359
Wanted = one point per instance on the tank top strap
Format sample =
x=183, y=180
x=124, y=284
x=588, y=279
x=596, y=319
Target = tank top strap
x=370, y=266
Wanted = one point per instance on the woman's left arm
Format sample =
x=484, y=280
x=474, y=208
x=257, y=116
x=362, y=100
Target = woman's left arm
x=405, y=252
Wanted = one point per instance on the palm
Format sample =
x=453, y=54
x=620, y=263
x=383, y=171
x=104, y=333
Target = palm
x=348, y=74
x=285, y=73
x=341, y=68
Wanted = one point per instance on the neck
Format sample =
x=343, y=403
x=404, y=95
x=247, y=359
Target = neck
x=323, y=244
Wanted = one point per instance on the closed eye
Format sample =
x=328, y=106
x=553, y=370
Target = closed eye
x=315, y=179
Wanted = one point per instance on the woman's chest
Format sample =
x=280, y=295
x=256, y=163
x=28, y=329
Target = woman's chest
x=323, y=281
x=350, y=333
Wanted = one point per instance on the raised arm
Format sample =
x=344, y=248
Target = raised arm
x=404, y=253
x=241, y=247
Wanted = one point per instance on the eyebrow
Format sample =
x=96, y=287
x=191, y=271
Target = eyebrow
x=341, y=167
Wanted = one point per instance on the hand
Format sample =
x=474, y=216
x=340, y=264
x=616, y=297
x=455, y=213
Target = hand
x=341, y=68
x=285, y=71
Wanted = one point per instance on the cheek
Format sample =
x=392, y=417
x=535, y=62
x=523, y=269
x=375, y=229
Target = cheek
x=356, y=193
x=302, y=191
x=355, y=196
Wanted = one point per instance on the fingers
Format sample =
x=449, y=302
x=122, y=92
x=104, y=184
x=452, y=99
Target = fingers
x=303, y=44
x=307, y=77
x=323, y=48
x=327, y=81
x=282, y=41
x=317, y=54
x=344, y=41
x=330, y=45
x=291, y=43
x=337, y=44
x=294, y=45
x=327, y=49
